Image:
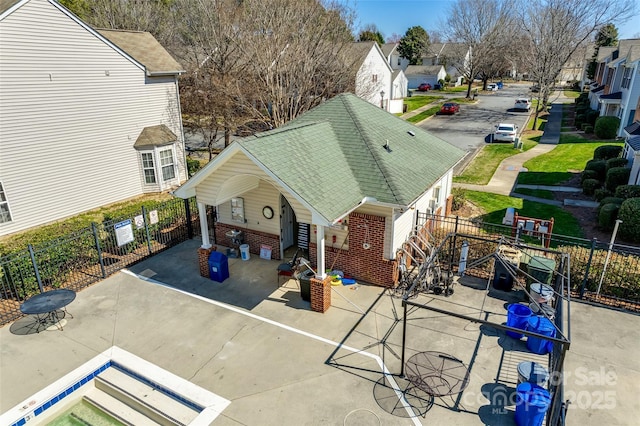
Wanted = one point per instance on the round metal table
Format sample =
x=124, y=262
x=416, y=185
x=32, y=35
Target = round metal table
x=437, y=373
x=48, y=307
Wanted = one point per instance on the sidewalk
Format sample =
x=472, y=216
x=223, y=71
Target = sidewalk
x=504, y=180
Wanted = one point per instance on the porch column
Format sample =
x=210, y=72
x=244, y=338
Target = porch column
x=204, y=226
x=320, y=244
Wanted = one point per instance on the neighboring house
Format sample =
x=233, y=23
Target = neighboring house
x=418, y=74
x=618, y=83
x=631, y=149
x=87, y=117
x=345, y=180
x=373, y=75
x=397, y=62
x=575, y=69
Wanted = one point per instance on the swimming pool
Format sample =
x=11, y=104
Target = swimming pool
x=54, y=399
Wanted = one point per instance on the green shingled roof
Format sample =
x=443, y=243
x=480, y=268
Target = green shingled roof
x=334, y=155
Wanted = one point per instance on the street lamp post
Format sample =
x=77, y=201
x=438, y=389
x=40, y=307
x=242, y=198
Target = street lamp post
x=382, y=99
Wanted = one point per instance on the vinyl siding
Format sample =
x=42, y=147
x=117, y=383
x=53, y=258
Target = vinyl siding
x=67, y=128
x=224, y=183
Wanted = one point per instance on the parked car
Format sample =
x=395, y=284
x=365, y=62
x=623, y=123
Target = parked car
x=522, y=104
x=535, y=88
x=492, y=87
x=449, y=108
x=505, y=132
x=424, y=87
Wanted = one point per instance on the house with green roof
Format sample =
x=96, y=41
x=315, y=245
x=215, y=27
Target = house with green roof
x=345, y=182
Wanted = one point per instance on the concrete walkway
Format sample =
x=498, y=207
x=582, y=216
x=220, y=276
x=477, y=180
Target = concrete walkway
x=505, y=178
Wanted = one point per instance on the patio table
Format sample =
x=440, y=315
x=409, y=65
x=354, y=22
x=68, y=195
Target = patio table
x=437, y=373
x=48, y=308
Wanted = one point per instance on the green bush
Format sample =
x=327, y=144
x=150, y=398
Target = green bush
x=599, y=166
x=591, y=116
x=630, y=215
x=601, y=193
x=616, y=176
x=579, y=120
x=606, y=127
x=590, y=185
x=628, y=191
x=458, y=198
x=588, y=129
x=588, y=174
x=583, y=126
x=609, y=200
x=582, y=98
x=605, y=152
x=193, y=166
x=616, y=162
x=607, y=216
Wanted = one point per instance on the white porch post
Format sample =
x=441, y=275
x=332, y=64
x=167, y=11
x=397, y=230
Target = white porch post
x=204, y=226
x=320, y=254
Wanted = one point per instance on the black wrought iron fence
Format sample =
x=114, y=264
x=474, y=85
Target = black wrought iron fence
x=600, y=272
x=87, y=256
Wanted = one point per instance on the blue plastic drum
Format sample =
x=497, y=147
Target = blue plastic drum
x=540, y=325
x=517, y=317
x=532, y=403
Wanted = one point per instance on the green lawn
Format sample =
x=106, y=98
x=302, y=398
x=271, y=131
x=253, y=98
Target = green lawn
x=496, y=206
x=559, y=164
x=417, y=101
x=571, y=93
x=424, y=114
x=484, y=165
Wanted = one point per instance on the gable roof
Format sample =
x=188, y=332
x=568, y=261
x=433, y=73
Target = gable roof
x=634, y=143
x=633, y=129
x=334, y=156
x=605, y=51
x=387, y=48
x=423, y=69
x=145, y=49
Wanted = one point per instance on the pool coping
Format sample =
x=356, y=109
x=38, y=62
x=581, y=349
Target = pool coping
x=210, y=404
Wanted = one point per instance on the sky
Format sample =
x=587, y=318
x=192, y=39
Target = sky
x=397, y=16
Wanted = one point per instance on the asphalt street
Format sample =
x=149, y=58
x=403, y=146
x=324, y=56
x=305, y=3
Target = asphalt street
x=472, y=127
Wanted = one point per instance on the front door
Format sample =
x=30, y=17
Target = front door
x=287, y=219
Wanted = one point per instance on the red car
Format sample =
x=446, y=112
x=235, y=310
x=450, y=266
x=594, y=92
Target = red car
x=449, y=108
x=424, y=87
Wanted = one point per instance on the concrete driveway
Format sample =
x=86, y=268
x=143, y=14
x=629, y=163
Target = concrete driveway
x=259, y=346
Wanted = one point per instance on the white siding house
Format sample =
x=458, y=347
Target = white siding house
x=87, y=118
x=373, y=78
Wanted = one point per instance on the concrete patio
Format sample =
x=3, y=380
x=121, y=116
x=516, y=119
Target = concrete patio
x=259, y=346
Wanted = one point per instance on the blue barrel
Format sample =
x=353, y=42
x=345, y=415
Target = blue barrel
x=532, y=403
x=517, y=317
x=218, y=266
x=540, y=325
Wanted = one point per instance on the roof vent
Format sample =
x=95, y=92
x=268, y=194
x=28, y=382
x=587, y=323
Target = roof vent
x=386, y=146
x=411, y=132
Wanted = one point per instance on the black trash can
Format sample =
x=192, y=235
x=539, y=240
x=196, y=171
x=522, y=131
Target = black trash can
x=502, y=279
x=305, y=284
x=218, y=266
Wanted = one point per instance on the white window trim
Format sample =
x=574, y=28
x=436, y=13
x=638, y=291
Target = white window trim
x=6, y=201
x=157, y=166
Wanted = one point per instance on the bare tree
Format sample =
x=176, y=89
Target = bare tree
x=299, y=56
x=556, y=28
x=478, y=27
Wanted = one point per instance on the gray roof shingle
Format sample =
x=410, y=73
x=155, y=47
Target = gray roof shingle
x=333, y=156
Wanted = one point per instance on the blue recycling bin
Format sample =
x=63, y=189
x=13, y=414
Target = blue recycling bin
x=517, y=316
x=532, y=403
x=218, y=266
x=540, y=325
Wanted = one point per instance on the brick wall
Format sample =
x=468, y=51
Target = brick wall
x=320, y=294
x=203, y=260
x=368, y=265
x=252, y=237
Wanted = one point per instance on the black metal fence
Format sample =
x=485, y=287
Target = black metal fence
x=87, y=256
x=600, y=272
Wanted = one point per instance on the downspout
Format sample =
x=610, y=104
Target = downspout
x=184, y=143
